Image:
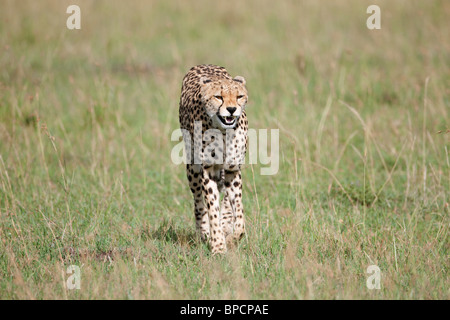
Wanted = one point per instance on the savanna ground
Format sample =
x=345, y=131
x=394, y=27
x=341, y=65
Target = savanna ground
x=86, y=177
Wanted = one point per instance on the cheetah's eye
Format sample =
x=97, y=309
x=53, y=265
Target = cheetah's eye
x=218, y=97
x=240, y=97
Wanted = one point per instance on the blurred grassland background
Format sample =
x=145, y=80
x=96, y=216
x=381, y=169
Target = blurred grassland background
x=86, y=177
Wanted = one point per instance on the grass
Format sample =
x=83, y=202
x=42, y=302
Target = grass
x=86, y=178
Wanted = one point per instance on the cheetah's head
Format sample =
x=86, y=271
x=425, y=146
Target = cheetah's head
x=224, y=100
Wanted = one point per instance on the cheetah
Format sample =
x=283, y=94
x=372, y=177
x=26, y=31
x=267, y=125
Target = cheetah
x=214, y=126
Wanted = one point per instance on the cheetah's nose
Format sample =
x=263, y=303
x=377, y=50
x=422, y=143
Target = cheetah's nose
x=231, y=110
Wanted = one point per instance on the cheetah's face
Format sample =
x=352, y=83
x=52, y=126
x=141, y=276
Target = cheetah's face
x=224, y=100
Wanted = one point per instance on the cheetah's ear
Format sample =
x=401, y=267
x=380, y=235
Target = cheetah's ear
x=239, y=79
x=204, y=80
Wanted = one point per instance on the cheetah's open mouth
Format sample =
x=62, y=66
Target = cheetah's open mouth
x=228, y=121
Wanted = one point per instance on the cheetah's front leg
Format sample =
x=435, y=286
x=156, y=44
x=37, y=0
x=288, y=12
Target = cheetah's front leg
x=212, y=202
x=195, y=177
x=233, y=185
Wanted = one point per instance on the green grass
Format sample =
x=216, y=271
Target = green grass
x=86, y=178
